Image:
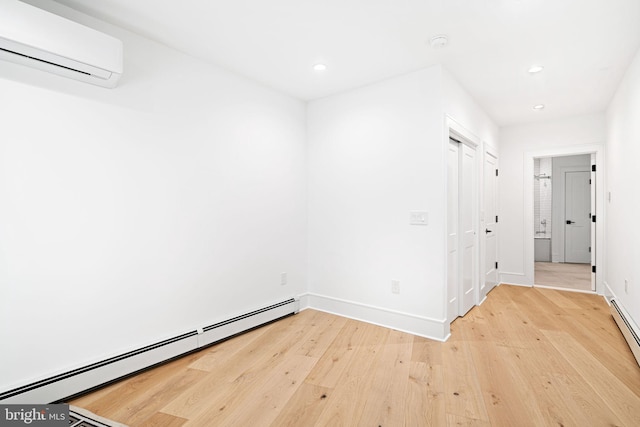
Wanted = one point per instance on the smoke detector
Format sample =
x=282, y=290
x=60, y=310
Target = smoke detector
x=438, y=42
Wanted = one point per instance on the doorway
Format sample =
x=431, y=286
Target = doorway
x=563, y=209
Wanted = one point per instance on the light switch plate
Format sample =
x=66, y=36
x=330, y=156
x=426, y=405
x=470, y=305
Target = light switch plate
x=418, y=218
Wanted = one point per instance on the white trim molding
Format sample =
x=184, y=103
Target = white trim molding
x=514, y=279
x=435, y=329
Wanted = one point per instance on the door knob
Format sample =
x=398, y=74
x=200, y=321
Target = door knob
x=487, y=231
x=570, y=222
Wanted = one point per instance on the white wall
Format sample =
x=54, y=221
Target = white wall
x=461, y=107
x=174, y=201
x=518, y=145
x=132, y=215
x=623, y=176
x=376, y=153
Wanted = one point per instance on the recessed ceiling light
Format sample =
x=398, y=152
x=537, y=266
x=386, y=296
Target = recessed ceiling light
x=535, y=69
x=439, y=41
x=319, y=67
x=538, y=107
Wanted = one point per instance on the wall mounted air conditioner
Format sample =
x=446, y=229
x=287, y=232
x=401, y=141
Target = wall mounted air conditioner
x=39, y=39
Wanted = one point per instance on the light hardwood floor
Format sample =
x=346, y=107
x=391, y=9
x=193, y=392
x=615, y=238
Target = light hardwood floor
x=526, y=357
x=563, y=275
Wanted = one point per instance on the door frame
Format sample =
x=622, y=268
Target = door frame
x=484, y=290
x=460, y=133
x=597, y=238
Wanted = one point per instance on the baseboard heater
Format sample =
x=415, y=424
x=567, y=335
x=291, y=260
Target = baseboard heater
x=628, y=328
x=77, y=381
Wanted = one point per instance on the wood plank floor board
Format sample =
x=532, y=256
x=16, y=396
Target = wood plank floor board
x=622, y=401
x=143, y=406
x=587, y=408
x=385, y=407
x=326, y=327
x=124, y=397
x=426, y=351
x=457, y=420
x=461, y=383
x=526, y=356
x=602, y=347
x=563, y=275
x=565, y=300
x=240, y=371
x=331, y=366
x=530, y=366
x=508, y=326
x=507, y=384
x=548, y=319
x=267, y=398
x=596, y=330
x=216, y=356
x=424, y=401
x=163, y=420
x=304, y=407
x=346, y=403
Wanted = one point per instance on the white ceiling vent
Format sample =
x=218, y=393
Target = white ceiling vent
x=39, y=39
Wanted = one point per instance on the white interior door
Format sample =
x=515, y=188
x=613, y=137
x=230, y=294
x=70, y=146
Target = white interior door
x=490, y=217
x=452, y=231
x=577, y=217
x=467, y=209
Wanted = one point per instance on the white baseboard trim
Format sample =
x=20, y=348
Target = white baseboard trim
x=516, y=284
x=304, y=301
x=559, y=288
x=608, y=292
x=434, y=329
x=515, y=279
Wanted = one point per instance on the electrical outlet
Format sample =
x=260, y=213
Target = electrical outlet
x=395, y=286
x=626, y=286
x=283, y=279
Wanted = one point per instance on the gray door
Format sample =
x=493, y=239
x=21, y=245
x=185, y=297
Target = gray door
x=577, y=217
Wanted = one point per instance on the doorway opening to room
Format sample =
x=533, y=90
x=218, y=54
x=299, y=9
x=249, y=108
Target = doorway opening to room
x=564, y=221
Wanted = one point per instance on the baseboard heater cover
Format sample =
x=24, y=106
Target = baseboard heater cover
x=628, y=328
x=74, y=382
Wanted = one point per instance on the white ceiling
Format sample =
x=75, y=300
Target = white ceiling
x=585, y=45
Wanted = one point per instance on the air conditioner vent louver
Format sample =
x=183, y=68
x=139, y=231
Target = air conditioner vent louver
x=46, y=62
